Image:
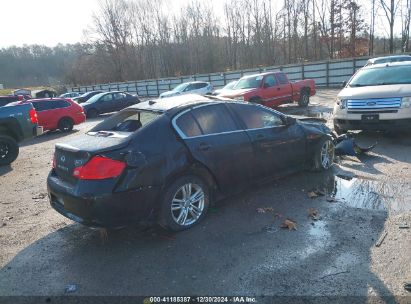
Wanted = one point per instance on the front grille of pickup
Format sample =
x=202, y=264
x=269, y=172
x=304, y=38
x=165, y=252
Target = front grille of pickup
x=377, y=104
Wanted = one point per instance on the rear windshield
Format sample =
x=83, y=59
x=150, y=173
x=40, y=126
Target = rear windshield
x=382, y=76
x=124, y=123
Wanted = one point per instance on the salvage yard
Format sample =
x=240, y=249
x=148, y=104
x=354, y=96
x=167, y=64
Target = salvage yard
x=347, y=232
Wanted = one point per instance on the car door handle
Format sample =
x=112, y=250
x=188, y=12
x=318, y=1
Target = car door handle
x=260, y=136
x=278, y=89
x=204, y=147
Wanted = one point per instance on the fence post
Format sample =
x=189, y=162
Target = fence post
x=158, y=90
x=327, y=73
x=147, y=90
x=118, y=87
x=225, y=79
x=302, y=71
x=354, y=65
x=135, y=84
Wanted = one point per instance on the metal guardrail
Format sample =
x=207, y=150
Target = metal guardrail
x=325, y=73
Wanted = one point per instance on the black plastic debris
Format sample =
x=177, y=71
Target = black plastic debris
x=346, y=145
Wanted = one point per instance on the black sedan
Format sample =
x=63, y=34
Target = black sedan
x=169, y=159
x=86, y=96
x=108, y=102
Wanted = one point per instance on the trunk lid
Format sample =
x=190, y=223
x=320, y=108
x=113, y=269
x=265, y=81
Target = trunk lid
x=80, y=150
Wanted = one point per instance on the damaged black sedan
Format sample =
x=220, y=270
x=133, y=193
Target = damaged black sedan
x=167, y=160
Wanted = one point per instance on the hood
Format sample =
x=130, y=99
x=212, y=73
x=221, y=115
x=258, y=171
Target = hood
x=314, y=127
x=382, y=91
x=236, y=93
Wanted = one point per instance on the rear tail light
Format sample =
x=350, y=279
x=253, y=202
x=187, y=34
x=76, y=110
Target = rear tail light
x=99, y=167
x=33, y=116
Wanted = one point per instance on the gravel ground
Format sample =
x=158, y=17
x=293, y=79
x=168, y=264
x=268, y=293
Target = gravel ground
x=237, y=249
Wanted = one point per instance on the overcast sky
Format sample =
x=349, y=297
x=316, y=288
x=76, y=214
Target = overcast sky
x=50, y=22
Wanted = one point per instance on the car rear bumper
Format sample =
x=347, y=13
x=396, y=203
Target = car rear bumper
x=387, y=124
x=109, y=210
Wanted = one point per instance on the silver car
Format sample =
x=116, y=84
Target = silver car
x=377, y=97
x=195, y=87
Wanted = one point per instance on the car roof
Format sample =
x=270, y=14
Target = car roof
x=389, y=57
x=176, y=103
x=262, y=74
x=46, y=99
x=388, y=64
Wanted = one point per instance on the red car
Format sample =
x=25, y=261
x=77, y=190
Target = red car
x=57, y=113
x=272, y=89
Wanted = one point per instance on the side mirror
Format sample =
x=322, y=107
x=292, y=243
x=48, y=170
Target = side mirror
x=344, y=84
x=289, y=120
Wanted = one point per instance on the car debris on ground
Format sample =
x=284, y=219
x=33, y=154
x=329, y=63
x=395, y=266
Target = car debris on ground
x=345, y=145
x=289, y=224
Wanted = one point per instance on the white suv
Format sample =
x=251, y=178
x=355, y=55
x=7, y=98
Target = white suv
x=377, y=97
x=196, y=87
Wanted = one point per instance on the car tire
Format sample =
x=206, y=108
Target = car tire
x=92, y=113
x=256, y=100
x=66, y=124
x=324, y=155
x=9, y=150
x=181, y=209
x=304, y=98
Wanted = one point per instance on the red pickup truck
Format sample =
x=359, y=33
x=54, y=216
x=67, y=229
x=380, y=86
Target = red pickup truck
x=272, y=89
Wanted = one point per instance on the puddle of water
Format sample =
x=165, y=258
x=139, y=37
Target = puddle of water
x=372, y=194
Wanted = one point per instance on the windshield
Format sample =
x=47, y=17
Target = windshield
x=127, y=121
x=180, y=87
x=95, y=98
x=230, y=85
x=382, y=76
x=248, y=82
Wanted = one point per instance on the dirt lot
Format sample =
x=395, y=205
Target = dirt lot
x=237, y=249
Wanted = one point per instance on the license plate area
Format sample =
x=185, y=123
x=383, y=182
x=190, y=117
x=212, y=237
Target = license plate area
x=370, y=118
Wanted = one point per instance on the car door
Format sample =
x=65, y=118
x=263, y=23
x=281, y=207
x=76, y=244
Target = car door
x=105, y=104
x=278, y=148
x=270, y=90
x=285, y=90
x=217, y=141
x=119, y=101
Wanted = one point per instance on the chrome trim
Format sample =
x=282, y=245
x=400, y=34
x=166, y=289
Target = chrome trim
x=183, y=136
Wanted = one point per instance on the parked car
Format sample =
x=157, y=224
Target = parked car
x=86, y=96
x=388, y=59
x=70, y=95
x=377, y=97
x=5, y=100
x=226, y=89
x=204, y=149
x=195, y=87
x=57, y=113
x=108, y=102
x=272, y=89
x=17, y=123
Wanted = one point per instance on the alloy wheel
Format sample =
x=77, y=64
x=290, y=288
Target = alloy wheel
x=4, y=150
x=327, y=154
x=188, y=204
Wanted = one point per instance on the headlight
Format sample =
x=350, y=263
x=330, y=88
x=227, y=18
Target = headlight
x=406, y=102
x=341, y=102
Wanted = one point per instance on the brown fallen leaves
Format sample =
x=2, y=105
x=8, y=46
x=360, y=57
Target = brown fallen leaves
x=289, y=224
x=313, y=214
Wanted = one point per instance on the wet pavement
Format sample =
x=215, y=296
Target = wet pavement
x=237, y=249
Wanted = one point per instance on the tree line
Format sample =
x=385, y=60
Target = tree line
x=142, y=39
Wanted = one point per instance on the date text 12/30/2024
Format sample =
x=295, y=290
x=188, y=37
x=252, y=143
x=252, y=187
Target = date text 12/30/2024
x=201, y=299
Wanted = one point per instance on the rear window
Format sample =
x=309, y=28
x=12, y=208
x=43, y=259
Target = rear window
x=124, y=123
